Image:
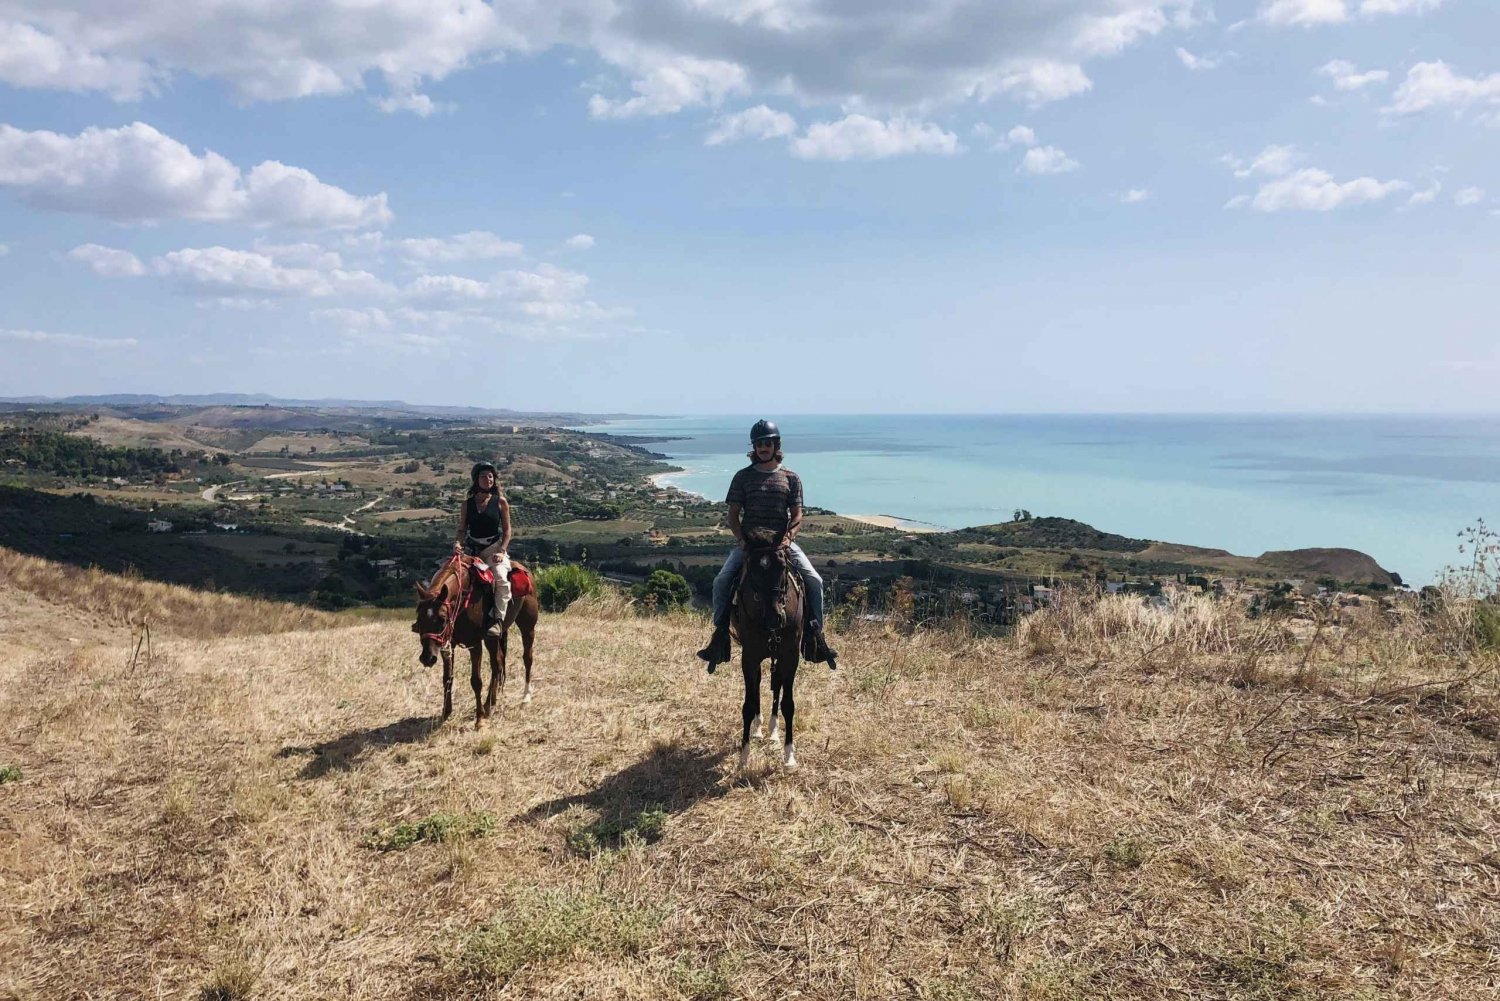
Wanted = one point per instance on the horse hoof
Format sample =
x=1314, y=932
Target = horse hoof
x=790, y=757
x=775, y=734
x=757, y=730
x=744, y=757
x=526, y=696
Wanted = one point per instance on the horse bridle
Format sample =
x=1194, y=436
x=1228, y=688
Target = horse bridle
x=453, y=604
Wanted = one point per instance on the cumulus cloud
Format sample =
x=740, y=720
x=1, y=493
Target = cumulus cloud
x=668, y=88
x=759, y=122
x=228, y=273
x=1135, y=196
x=858, y=137
x=108, y=261
x=579, y=241
x=31, y=58
x=1020, y=135
x=545, y=301
x=677, y=53
x=476, y=245
x=1346, y=76
x=67, y=340
x=1314, y=190
x=1269, y=162
x=1193, y=62
x=264, y=51
x=137, y=174
x=1468, y=196
x=1046, y=160
x=1314, y=12
x=1435, y=85
x=1426, y=196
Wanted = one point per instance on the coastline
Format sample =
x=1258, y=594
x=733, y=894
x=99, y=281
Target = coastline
x=663, y=481
x=893, y=522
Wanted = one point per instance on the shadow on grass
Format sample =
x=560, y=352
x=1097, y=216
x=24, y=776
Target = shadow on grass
x=342, y=753
x=636, y=802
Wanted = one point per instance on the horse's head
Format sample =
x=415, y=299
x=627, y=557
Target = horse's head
x=431, y=620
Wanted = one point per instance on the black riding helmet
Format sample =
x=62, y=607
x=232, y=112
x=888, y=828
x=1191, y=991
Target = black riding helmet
x=764, y=429
x=480, y=467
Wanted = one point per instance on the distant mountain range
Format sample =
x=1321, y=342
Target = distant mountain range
x=265, y=400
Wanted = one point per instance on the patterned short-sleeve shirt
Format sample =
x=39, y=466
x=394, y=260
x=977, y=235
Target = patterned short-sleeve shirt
x=766, y=500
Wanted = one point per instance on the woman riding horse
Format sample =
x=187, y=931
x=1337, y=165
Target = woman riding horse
x=484, y=531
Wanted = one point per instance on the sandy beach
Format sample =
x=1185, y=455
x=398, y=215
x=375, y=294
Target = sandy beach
x=891, y=521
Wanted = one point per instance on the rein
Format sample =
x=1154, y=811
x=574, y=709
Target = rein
x=455, y=603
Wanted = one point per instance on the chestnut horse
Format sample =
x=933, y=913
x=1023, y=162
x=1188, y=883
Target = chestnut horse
x=450, y=612
x=767, y=621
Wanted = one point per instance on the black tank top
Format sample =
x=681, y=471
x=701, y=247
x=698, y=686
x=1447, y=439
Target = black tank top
x=483, y=523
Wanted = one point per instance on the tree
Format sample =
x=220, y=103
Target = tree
x=664, y=589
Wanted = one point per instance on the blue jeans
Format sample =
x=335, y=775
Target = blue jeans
x=724, y=583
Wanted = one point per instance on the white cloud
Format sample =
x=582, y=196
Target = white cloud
x=1269, y=162
x=31, y=58
x=1434, y=85
x=1193, y=62
x=858, y=137
x=579, y=241
x=418, y=104
x=304, y=255
x=67, y=340
x=1398, y=6
x=1135, y=196
x=223, y=272
x=476, y=245
x=1038, y=81
x=1313, y=12
x=1346, y=76
x=1468, y=196
x=759, y=122
x=1314, y=190
x=108, y=261
x=907, y=58
x=264, y=50
x=1021, y=135
x=4, y=249
x=137, y=174
x=1046, y=160
x=1304, y=12
x=546, y=301
x=683, y=82
x=1426, y=196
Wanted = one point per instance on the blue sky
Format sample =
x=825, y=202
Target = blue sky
x=756, y=205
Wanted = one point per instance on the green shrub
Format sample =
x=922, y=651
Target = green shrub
x=663, y=590
x=1487, y=625
x=557, y=587
x=438, y=827
x=9, y=773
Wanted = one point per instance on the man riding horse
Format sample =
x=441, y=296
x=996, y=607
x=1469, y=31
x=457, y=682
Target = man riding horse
x=765, y=495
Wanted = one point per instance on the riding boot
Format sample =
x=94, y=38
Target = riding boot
x=497, y=609
x=815, y=648
x=717, y=651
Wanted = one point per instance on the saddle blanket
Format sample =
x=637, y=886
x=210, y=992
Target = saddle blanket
x=520, y=582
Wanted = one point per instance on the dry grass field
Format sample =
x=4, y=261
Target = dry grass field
x=1115, y=803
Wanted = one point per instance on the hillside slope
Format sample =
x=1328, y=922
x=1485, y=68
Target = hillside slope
x=1117, y=803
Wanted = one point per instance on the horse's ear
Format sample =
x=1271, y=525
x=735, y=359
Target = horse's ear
x=422, y=591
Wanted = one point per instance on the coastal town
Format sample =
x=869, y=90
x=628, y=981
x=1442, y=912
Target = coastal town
x=346, y=508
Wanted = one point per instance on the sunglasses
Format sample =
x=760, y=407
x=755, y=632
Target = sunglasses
x=766, y=442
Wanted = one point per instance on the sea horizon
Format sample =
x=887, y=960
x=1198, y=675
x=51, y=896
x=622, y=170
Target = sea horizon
x=1399, y=487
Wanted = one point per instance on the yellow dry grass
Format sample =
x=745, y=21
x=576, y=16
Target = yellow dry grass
x=1110, y=805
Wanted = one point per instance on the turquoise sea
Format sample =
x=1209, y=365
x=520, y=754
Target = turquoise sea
x=1398, y=488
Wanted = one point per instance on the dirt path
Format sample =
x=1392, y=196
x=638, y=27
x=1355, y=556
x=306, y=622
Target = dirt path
x=213, y=492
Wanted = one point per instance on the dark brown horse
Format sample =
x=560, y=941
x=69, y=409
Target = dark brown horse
x=768, y=623
x=450, y=612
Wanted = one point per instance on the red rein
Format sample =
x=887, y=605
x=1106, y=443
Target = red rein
x=456, y=603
